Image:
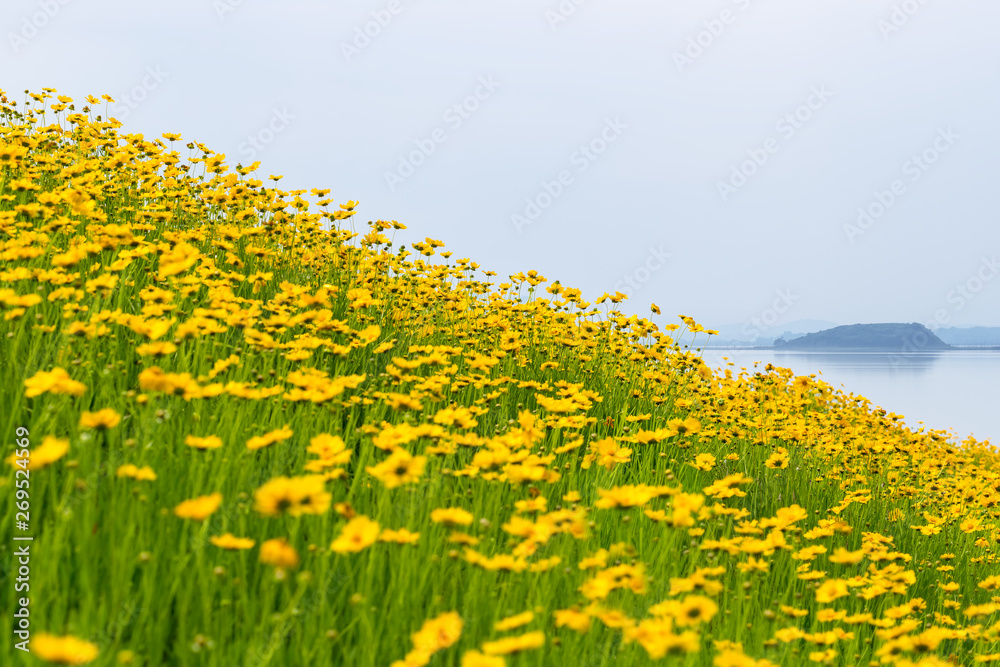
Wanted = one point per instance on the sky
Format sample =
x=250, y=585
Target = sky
x=748, y=163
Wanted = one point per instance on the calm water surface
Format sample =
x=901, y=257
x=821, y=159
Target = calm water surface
x=955, y=390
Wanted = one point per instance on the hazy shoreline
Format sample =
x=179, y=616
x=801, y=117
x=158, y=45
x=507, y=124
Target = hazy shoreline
x=867, y=350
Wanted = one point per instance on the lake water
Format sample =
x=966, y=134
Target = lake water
x=956, y=390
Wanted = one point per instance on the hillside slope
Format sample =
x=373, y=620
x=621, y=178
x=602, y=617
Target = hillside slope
x=258, y=432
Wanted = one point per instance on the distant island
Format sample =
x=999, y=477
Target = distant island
x=867, y=337
x=754, y=334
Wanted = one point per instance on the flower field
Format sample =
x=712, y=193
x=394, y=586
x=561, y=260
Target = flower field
x=244, y=428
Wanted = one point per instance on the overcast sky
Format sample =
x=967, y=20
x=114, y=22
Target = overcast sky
x=713, y=157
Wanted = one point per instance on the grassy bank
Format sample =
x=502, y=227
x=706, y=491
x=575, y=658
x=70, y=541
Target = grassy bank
x=261, y=433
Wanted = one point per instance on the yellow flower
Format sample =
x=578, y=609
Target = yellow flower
x=51, y=450
x=361, y=298
x=827, y=615
x=626, y=496
x=513, y=622
x=452, y=516
x=294, y=495
x=754, y=565
x=977, y=610
x=796, y=613
x=207, y=442
x=785, y=517
x=134, y=472
x=178, y=259
x=63, y=650
x=683, y=427
x=830, y=590
x=704, y=462
x=102, y=419
x=370, y=334
x=278, y=435
x=572, y=619
x=844, y=557
x=10, y=154
x=600, y=586
x=457, y=537
x=971, y=525
x=150, y=328
x=438, y=633
x=733, y=657
x=609, y=452
x=826, y=656
x=508, y=645
x=695, y=609
x=155, y=379
x=809, y=553
x=56, y=381
x=727, y=486
x=399, y=469
x=230, y=541
x=199, y=508
x=474, y=658
x=538, y=504
x=401, y=536
x=279, y=553
x=359, y=533
x=330, y=449
x=156, y=349
x=699, y=581
x=779, y=459
x=656, y=636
